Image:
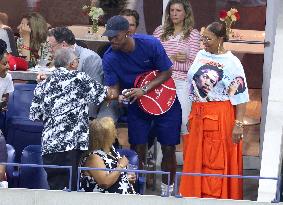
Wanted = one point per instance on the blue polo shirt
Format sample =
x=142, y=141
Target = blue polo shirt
x=123, y=68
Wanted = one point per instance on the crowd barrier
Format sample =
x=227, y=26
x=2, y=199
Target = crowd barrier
x=139, y=172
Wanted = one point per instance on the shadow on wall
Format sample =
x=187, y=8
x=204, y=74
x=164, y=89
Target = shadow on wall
x=15, y=10
x=63, y=13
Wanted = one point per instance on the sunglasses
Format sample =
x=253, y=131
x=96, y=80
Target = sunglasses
x=206, y=39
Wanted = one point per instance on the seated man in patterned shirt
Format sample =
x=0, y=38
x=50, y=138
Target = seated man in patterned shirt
x=61, y=102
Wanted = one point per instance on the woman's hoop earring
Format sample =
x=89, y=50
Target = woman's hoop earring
x=218, y=49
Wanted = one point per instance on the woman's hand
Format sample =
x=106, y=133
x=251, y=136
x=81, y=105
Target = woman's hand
x=123, y=162
x=181, y=57
x=237, y=134
x=132, y=178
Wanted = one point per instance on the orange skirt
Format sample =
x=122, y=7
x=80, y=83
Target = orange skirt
x=209, y=149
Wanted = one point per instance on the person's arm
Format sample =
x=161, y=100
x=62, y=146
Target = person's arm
x=238, y=129
x=104, y=179
x=2, y=172
x=92, y=66
x=135, y=93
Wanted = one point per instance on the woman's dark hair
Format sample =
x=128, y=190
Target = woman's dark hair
x=219, y=29
x=62, y=34
x=131, y=12
x=3, y=48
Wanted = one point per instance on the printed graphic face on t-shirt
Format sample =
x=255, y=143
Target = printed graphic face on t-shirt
x=206, y=78
x=237, y=86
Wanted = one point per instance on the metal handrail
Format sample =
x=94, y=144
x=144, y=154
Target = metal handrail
x=138, y=171
x=276, y=200
x=45, y=166
x=265, y=43
x=178, y=174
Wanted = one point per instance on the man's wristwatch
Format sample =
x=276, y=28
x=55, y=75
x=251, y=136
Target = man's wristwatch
x=144, y=89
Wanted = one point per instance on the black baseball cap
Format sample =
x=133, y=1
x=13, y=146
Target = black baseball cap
x=115, y=25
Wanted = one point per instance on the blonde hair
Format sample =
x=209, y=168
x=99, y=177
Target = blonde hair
x=189, y=22
x=100, y=132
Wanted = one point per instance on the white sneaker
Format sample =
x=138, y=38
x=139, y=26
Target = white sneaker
x=164, y=189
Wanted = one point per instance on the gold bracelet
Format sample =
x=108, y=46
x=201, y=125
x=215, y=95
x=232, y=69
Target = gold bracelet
x=239, y=123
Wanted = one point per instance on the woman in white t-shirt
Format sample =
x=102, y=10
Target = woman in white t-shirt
x=6, y=83
x=218, y=91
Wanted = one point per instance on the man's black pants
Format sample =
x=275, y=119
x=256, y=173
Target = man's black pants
x=58, y=179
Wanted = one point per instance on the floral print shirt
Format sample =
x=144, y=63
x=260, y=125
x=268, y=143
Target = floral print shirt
x=61, y=102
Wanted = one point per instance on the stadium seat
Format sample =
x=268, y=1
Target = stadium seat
x=21, y=131
x=3, y=122
x=32, y=177
x=10, y=169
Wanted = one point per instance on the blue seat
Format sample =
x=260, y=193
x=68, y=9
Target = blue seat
x=21, y=131
x=32, y=177
x=11, y=153
x=133, y=158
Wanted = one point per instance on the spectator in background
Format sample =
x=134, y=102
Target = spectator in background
x=181, y=42
x=32, y=42
x=7, y=34
x=133, y=18
x=6, y=83
x=6, y=87
x=103, y=155
x=65, y=115
x=90, y=63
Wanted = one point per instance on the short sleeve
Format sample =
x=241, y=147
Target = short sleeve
x=10, y=86
x=161, y=60
x=157, y=32
x=110, y=77
x=95, y=92
x=236, y=84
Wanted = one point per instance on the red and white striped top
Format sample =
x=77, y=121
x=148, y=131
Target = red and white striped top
x=176, y=44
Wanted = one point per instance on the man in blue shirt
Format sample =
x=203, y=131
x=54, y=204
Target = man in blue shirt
x=128, y=57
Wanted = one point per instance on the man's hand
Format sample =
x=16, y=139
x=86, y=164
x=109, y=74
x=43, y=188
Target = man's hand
x=40, y=77
x=133, y=94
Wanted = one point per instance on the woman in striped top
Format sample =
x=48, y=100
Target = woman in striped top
x=181, y=42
